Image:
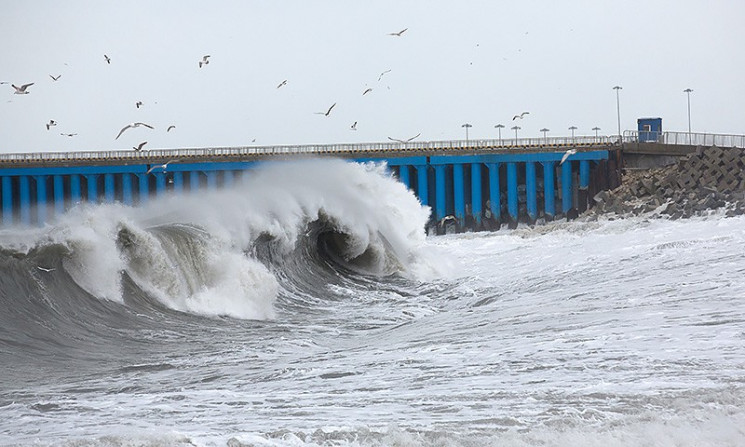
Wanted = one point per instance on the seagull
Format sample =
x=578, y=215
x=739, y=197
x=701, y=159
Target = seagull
x=44, y=269
x=521, y=116
x=51, y=123
x=404, y=141
x=353, y=126
x=283, y=83
x=129, y=126
x=68, y=134
x=366, y=91
x=138, y=104
x=170, y=127
x=381, y=74
x=567, y=154
x=108, y=59
x=326, y=112
x=22, y=89
x=398, y=34
x=204, y=61
x=139, y=146
x=53, y=78
x=163, y=166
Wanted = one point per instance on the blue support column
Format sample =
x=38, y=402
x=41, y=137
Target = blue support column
x=459, y=194
x=194, y=181
x=530, y=191
x=476, y=193
x=423, y=184
x=403, y=175
x=495, y=193
x=512, y=191
x=7, y=201
x=549, y=190
x=92, y=188
x=566, y=186
x=41, y=199
x=144, y=186
x=211, y=179
x=75, y=193
x=178, y=182
x=24, y=184
x=440, y=194
x=160, y=183
x=108, y=187
x=584, y=174
x=227, y=179
x=59, y=195
x=127, y=189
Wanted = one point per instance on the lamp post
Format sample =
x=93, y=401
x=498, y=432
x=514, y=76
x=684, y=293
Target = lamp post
x=688, y=92
x=596, y=128
x=515, y=128
x=499, y=128
x=572, y=128
x=467, y=126
x=618, y=111
x=545, y=139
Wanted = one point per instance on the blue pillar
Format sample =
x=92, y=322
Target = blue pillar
x=440, y=194
x=495, y=193
x=25, y=195
x=143, y=183
x=227, y=179
x=566, y=186
x=476, y=193
x=512, y=190
x=59, y=195
x=459, y=194
x=108, y=187
x=7, y=201
x=75, y=195
x=92, y=188
x=178, y=182
x=211, y=179
x=403, y=175
x=549, y=190
x=584, y=174
x=127, y=189
x=194, y=181
x=160, y=183
x=423, y=184
x=530, y=191
x=41, y=199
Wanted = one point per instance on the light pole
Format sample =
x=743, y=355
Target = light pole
x=515, y=128
x=688, y=92
x=596, y=128
x=545, y=139
x=618, y=111
x=573, y=128
x=467, y=126
x=499, y=128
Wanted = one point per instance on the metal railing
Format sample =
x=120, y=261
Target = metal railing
x=309, y=149
x=685, y=138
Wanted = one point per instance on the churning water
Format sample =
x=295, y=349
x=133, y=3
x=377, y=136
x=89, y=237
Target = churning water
x=306, y=307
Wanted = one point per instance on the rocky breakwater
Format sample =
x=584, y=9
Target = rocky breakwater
x=708, y=179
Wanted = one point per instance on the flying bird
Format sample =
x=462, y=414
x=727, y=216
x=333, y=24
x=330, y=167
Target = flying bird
x=404, y=141
x=398, y=33
x=282, y=84
x=51, y=123
x=170, y=127
x=55, y=78
x=326, y=112
x=68, y=134
x=139, y=146
x=132, y=125
x=521, y=116
x=22, y=89
x=353, y=126
x=204, y=61
x=44, y=269
x=163, y=166
x=138, y=104
x=108, y=59
x=366, y=91
x=381, y=74
x=567, y=154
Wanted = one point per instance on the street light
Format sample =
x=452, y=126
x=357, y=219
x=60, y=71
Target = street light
x=544, y=130
x=596, y=128
x=467, y=126
x=515, y=128
x=618, y=111
x=499, y=128
x=573, y=128
x=688, y=92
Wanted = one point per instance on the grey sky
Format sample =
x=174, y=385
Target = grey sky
x=479, y=62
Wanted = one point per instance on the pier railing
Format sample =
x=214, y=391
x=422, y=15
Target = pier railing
x=685, y=138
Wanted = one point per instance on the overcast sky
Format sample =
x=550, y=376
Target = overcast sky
x=477, y=62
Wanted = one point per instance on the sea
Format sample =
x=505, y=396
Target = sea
x=307, y=306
